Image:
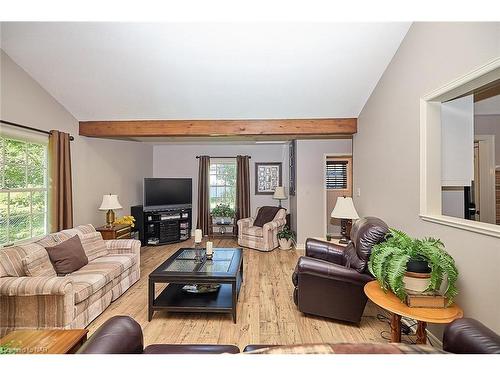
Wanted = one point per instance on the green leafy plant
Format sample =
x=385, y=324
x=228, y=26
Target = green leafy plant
x=6, y=349
x=389, y=259
x=285, y=233
x=223, y=210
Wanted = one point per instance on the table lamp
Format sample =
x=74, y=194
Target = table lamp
x=344, y=210
x=110, y=203
x=279, y=193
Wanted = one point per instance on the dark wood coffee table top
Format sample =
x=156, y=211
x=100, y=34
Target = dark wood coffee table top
x=225, y=264
x=45, y=341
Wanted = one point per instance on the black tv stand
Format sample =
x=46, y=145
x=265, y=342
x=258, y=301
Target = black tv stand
x=165, y=226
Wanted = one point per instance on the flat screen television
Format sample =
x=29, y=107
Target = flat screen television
x=162, y=193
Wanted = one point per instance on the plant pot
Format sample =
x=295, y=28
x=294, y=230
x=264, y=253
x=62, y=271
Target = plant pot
x=285, y=244
x=417, y=277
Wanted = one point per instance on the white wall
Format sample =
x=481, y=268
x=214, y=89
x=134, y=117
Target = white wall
x=179, y=160
x=99, y=166
x=487, y=125
x=431, y=55
x=310, y=190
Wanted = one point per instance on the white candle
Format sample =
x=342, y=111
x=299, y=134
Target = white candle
x=197, y=235
x=209, y=247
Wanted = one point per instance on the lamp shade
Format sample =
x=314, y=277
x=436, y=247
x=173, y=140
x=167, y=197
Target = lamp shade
x=110, y=202
x=279, y=192
x=344, y=209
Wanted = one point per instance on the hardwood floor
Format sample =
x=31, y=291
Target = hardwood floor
x=266, y=312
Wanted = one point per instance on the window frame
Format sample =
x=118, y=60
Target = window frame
x=430, y=148
x=215, y=161
x=26, y=139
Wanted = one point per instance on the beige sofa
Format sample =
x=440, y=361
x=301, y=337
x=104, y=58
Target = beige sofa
x=32, y=296
x=263, y=238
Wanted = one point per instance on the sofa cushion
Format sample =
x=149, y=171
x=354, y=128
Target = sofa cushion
x=67, y=256
x=37, y=262
x=92, y=277
x=265, y=215
x=253, y=231
x=11, y=259
x=92, y=241
x=86, y=283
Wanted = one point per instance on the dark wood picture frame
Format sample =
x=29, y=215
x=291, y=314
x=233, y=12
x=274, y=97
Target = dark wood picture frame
x=278, y=165
x=292, y=168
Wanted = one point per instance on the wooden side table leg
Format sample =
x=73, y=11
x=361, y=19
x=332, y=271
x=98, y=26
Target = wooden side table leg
x=421, y=333
x=395, y=328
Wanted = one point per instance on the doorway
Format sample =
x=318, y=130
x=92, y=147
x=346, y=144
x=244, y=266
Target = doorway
x=338, y=183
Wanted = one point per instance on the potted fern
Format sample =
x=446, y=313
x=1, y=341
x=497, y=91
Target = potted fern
x=391, y=260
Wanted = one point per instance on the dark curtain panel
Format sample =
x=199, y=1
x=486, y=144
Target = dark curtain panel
x=242, y=187
x=61, y=190
x=203, y=195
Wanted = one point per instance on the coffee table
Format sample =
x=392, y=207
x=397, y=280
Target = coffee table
x=190, y=266
x=423, y=315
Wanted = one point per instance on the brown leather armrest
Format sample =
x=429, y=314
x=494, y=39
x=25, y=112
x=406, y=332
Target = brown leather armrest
x=468, y=336
x=325, y=250
x=324, y=269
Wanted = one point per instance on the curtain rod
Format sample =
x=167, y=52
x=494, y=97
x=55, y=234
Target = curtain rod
x=222, y=157
x=71, y=138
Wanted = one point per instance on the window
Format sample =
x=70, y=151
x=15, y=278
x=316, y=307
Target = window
x=23, y=189
x=336, y=174
x=222, y=182
x=445, y=197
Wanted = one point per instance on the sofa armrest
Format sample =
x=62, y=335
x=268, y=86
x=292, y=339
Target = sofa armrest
x=35, y=286
x=270, y=230
x=275, y=224
x=325, y=250
x=331, y=271
x=468, y=336
x=123, y=246
x=36, y=303
x=245, y=223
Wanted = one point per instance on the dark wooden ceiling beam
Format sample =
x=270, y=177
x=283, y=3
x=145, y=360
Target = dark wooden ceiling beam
x=213, y=128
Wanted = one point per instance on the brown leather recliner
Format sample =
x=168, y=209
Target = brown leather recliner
x=329, y=280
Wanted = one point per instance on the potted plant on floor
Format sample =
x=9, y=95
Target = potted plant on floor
x=223, y=214
x=404, y=264
x=285, y=238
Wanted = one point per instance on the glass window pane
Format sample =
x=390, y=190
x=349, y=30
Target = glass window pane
x=2, y=143
x=36, y=154
x=38, y=201
x=36, y=176
x=3, y=208
x=19, y=227
x=15, y=176
x=38, y=224
x=15, y=151
x=19, y=203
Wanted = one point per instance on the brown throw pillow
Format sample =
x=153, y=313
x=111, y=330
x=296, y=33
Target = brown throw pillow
x=265, y=215
x=68, y=256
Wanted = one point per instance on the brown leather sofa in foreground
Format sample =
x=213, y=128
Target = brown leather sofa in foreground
x=329, y=280
x=123, y=335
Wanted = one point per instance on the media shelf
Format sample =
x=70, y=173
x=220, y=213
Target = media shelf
x=161, y=227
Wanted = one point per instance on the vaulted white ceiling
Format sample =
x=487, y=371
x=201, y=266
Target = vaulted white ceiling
x=117, y=71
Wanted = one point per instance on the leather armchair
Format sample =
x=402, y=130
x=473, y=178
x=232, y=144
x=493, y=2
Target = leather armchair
x=329, y=280
x=468, y=336
x=123, y=335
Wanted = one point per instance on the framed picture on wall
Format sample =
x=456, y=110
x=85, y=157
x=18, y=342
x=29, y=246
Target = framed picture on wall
x=267, y=177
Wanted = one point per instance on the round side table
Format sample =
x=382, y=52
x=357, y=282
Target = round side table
x=390, y=302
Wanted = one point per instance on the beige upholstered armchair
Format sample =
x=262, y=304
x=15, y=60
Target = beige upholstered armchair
x=263, y=238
